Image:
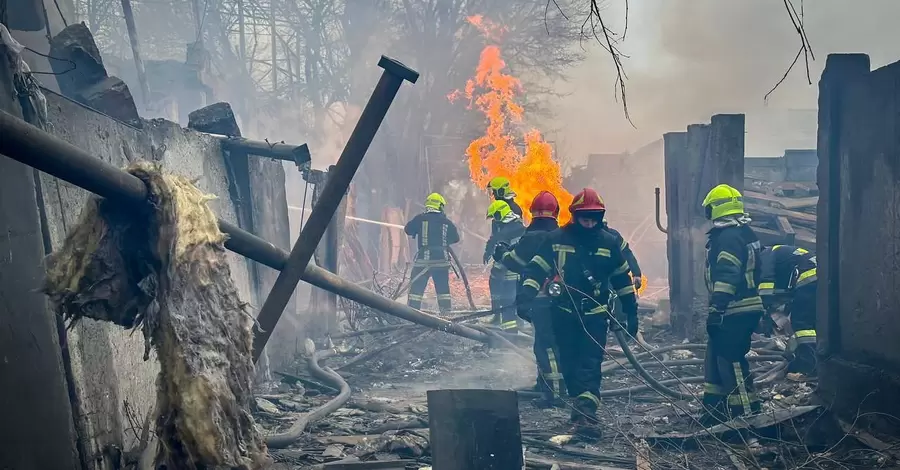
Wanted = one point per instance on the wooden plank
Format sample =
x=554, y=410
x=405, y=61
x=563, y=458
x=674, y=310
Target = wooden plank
x=799, y=216
x=642, y=456
x=785, y=226
x=781, y=202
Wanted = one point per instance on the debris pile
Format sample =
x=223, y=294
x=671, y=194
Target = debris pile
x=783, y=211
x=164, y=269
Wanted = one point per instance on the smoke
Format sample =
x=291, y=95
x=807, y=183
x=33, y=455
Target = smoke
x=689, y=59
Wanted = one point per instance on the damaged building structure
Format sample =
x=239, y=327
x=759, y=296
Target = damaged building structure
x=78, y=396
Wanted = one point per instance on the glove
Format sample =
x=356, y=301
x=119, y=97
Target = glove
x=523, y=312
x=714, y=319
x=638, y=282
x=500, y=250
x=486, y=258
x=524, y=298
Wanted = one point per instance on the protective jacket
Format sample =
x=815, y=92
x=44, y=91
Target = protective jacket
x=509, y=233
x=434, y=232
x=517, y=256
x=626, y=251
x=733, y=269
x=785, y=268
x=584, y=264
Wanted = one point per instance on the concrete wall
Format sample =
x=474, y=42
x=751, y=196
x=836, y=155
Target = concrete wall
x=859, y=236
x=107, y=360
x=695, y=162
x=36, y=424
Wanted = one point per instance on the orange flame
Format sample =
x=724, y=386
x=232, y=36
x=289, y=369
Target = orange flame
x=497, y=152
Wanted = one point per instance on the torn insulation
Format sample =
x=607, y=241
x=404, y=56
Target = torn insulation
x=163, y=268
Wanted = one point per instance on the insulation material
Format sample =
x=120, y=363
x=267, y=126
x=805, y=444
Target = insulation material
x=163, y=269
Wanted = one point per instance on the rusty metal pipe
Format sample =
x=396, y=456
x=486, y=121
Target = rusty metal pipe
x=339, y=178
x=33, y=147
x=658, y=221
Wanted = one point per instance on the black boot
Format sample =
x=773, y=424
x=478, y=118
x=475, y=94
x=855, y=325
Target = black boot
x=804, y=361
x=584, y=420
x=715, y=411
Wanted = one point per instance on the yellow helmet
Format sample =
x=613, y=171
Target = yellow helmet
x=723, y=200
x=435, y=201
x=499, y=186
x=498, y=210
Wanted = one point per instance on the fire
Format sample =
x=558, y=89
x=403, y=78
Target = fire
x=497, y=152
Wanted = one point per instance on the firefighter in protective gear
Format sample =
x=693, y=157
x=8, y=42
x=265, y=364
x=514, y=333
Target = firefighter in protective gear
x=582, y=261
x=544, y=212
x=508, y=227
x=789, y=279
x=733, y=271
x=434, y=232
x=500, y=190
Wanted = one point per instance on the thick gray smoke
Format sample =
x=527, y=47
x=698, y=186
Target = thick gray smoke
x=690, y=59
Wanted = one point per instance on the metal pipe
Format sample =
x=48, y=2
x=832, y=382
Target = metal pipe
x=658, y=221
x=299, y=154
x=29, y=145
x=336, y=186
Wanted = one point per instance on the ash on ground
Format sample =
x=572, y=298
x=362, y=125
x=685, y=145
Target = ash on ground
x=387, y=416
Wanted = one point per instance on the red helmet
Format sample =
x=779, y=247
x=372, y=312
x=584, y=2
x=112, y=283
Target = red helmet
x=587, y=201
x=545, y=205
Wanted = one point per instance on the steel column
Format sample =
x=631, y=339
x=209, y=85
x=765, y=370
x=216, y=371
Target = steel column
x=336, y=186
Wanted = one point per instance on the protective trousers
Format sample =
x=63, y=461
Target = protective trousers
x=802, y=344
x=550, y=378
x=581, y=341
x=729, y=390
x=503, y=299
x=419, y=281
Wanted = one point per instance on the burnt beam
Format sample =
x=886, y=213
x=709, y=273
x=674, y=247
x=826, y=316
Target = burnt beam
x=338, y=182
x=32, y=146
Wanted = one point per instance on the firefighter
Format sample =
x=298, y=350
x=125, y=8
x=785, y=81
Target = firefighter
x=544, y=212
x=582, y=260
x=789, y=279
x=501, y=191
x=434, y=233
x=507, y=228
x=732, y=273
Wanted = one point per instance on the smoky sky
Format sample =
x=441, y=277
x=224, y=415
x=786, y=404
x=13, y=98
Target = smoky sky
x=690, y=59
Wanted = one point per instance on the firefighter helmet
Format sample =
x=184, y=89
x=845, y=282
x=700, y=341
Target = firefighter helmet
x=723, y=200
x=435, y=201
x=498, y=210
x=499, y=186
x=544, y=205
x=587, y=201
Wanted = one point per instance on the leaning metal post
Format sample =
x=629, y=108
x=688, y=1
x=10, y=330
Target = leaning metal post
x=336, y=186
x=34, y=147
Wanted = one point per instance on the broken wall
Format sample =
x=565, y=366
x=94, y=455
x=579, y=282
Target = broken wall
x=695, y=162
x=858, y=236
x=115, y=386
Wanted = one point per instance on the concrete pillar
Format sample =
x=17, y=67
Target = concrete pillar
x=675, y=144
x=696, y=161
x=840, y=69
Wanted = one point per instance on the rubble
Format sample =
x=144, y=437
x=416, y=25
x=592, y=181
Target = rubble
x=390, y=390
x=82, y=76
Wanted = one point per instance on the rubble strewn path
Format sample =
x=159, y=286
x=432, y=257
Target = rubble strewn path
x=385, y=422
